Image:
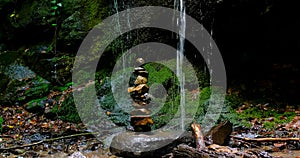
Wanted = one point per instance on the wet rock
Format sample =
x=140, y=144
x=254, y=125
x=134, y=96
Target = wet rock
x=77, y=154
x=21, y=84
x=132, y=144
x=138, y=112
x=220, y=133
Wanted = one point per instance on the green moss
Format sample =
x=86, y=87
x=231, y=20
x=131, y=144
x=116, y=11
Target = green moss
x=264, y=115
x=234, y=101
x=269, y=125
x=158, y=73
x=67, y=110
x=94, y=12
x=62, y=88
x=35, y=104
x=204, y=96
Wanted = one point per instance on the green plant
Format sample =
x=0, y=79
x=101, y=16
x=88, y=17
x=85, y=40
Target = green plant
x=35, y=104
x=55, y=5
x=67, y=110
x=1, y=122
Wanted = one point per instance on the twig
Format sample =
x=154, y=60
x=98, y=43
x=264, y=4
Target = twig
x=267, y=139
x=248, y=143
x=48, y=140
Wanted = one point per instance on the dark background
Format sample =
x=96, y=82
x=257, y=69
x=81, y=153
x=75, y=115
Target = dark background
x=258, y=39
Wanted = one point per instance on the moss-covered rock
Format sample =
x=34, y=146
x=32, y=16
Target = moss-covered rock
x=22, y=85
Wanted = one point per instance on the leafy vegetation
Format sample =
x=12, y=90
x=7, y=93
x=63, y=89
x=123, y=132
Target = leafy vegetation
x=109, y=104
x=1, y=122
x=67, y=111
x=36, y=104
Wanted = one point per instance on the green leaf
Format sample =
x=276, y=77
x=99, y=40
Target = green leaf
x=53, y=13
x=54, y=7
x=54, y=25
x=59, y=4
x=53, y=2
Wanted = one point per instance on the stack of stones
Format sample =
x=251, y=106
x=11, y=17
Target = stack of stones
x=141, y=115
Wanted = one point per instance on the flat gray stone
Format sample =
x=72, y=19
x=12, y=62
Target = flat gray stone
x=137, y=144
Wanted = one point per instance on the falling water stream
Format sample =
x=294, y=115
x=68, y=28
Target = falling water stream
x=181, y=23
x=119, y=82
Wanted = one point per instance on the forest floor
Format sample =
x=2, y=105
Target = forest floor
x=29, y=135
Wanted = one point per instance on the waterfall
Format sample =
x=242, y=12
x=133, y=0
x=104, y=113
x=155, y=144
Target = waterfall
x=181, y=23
x=118, y=26
x=118, y=80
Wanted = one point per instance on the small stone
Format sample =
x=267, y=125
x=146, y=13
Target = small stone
x=141, y=121
x=137, y=69
x=138, y=112
x=140, y=60
x=142, y=73
x=131, y=89
x=77, y=154
x=19, y=151
x=139, y=105
x=140, y=80
x=142, y=88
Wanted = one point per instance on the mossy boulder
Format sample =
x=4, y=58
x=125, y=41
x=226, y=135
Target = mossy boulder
x=21, y=85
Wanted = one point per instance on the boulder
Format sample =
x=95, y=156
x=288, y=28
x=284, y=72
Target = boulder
x=134, y=144
x=220, y=134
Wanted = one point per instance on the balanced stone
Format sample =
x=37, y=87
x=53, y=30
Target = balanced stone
x=141, y=121
x=139, y=105
x=141, y=111
x=141, y=89
x=140, y=80
x=137, y=69
x=142, y=73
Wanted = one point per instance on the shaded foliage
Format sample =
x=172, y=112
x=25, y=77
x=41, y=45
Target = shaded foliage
x=1, y=121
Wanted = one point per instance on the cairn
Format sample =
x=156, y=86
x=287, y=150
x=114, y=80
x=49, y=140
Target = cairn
x=140, y=117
